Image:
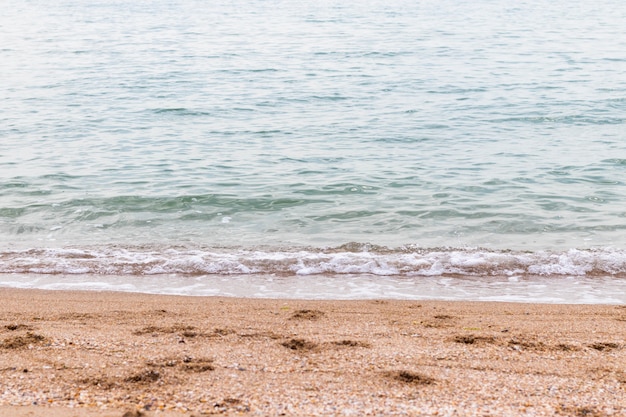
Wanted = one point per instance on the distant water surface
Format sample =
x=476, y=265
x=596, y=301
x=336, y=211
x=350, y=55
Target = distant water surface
x=395, y=138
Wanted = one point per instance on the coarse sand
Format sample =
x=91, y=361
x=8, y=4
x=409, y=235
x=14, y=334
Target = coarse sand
x=98, y=354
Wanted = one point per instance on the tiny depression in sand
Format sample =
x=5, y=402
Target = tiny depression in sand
x=269, y=208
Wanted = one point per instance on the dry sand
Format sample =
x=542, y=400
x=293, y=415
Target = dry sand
x=113, y=354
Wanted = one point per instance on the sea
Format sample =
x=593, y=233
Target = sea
x=380, y=149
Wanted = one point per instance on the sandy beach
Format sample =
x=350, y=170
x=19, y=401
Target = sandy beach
x=119, y=354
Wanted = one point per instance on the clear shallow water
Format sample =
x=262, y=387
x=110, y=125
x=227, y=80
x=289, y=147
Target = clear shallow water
x=577, y=290
x=400, y=139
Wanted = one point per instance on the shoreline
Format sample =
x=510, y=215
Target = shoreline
x=70, y=353
x=579, y=290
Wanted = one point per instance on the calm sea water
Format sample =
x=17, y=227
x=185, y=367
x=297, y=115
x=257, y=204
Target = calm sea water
x=260, y=148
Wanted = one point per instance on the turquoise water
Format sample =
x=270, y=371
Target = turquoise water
x=393, y=139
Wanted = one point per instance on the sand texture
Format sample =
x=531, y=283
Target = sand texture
x=113, y=354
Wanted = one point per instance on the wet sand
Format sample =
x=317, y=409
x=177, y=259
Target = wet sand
x=113, y=354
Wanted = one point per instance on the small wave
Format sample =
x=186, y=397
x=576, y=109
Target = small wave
x=352, y=258
x=181, y=111
x=565, y=120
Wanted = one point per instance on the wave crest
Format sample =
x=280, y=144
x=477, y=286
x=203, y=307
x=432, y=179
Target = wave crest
x=346, y=259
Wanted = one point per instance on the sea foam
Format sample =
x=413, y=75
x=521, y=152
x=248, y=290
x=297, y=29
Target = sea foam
x=409, y=262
